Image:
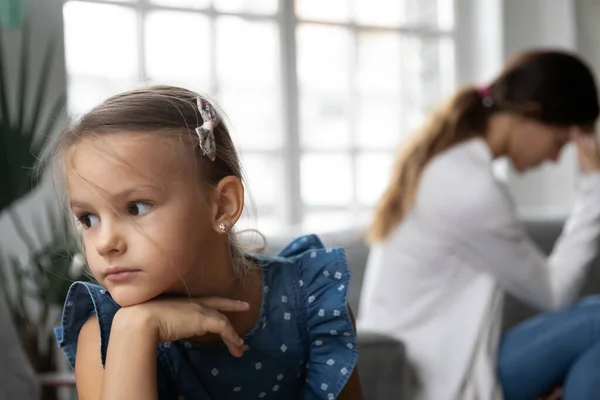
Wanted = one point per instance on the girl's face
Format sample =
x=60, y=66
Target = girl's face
x=144, y=216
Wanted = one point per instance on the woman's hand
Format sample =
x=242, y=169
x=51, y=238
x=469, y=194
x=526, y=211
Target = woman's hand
x=175, y=319
x=587, y=148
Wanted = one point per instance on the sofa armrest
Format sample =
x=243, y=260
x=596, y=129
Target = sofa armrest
x=383, y=367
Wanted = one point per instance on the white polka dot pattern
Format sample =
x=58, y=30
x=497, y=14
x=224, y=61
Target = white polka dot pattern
x=304, y=303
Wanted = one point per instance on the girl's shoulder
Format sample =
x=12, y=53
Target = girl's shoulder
x=315, y=274
x=308, y=284
x=83, y=301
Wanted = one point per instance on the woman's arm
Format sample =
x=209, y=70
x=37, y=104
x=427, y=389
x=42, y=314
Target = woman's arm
x=492, y=238
x=463, y=201
x=130, y=370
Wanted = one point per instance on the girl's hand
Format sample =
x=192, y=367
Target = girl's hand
x=175, y=319
x=587, y=148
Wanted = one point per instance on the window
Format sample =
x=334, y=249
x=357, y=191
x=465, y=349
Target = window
x=318, y=93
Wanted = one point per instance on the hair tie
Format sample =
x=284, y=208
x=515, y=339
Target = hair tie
x=205, y=132
x=485, y=92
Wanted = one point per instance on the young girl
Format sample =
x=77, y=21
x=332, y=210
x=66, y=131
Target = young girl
x=448, y=245
x=154, y=182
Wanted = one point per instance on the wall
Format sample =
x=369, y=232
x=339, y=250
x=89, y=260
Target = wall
x=588, y=30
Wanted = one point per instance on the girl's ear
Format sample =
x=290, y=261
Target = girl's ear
x=228, y=203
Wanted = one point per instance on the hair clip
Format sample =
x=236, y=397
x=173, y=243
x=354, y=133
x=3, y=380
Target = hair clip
x=205, y=132
x=486, y=96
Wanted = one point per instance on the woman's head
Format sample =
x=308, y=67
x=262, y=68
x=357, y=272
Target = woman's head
x=149, y=199
x=526, y=114
x=536, y=101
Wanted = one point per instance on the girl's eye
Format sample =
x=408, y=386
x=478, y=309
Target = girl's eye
x=138, y=208
x=88, y=220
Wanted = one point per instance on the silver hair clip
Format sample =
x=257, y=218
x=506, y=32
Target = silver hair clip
x=205, y=132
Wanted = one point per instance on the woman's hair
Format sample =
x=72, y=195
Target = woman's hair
x=552, y=87
x=160, y=110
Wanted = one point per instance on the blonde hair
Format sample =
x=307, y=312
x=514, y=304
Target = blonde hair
x=461, y=118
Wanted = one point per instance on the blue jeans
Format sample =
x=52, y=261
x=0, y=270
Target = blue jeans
x=554, y=349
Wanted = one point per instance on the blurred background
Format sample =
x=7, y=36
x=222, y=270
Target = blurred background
x=318, y=93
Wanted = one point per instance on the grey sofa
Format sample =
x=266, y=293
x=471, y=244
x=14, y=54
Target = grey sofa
x=383, y=367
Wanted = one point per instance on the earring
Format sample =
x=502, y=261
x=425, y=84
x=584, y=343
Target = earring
x=223, y=227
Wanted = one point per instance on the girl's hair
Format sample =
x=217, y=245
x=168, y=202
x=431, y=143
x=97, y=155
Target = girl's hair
x=551, y=87
x=163, y=110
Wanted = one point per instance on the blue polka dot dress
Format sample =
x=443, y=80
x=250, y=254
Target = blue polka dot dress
x=303, y=345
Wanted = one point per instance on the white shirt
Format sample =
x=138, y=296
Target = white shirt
x=437, y=282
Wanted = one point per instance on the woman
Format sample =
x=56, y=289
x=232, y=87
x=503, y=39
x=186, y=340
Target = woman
x=447, y=244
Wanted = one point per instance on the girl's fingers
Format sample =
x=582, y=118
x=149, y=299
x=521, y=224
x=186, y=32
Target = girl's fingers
x=223, y=304
x=220, y=325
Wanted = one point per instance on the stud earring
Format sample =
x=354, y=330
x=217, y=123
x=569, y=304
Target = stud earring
x=223, y=227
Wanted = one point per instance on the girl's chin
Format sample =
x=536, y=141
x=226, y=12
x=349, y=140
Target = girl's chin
x=130, y=296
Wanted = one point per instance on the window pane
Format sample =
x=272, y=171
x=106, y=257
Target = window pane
x=378, y=62
x=413, y=119
x=169, y=54
x=378, y=121
x=423, y=13
x=250, y=6
x=264, y=178
x=326, y=179
x=324, y=120
x=247, y=52
x=183, y=3
x=429, y=13
x=329, y=10
x=379, y=106
x=93, y=49
x=425, y=73
x=318, y=66
x=85, y=93
x=254, y=116
x=378, y=12
x=324, y=78
x=372, y=176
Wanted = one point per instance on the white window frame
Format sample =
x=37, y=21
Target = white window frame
x=292, y=210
